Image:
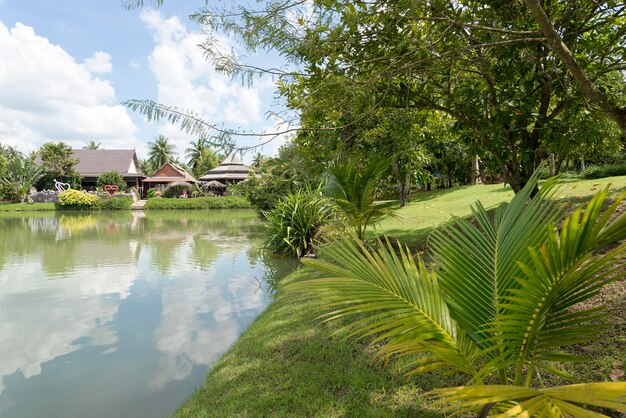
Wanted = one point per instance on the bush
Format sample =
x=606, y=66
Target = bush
x=598, y=172
x=77, y=199
x=115, y=203
x=112, y=178
x=216, y=202
x=264, y=193
x=294, y=224
x=152, y=192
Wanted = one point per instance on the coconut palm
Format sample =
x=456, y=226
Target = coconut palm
x=499, y=307
x=20, y=175
x=92, y=145
x=195, y=151
x=160, y=151
x=352, y=189
x=258, y=160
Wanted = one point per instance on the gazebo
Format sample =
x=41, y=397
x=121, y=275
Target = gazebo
x=231, y=170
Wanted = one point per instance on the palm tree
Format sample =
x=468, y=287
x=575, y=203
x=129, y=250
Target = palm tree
x=20, y=175
x=92, y=145
x=352, y=189
x=195, y=151
x=258, y=160
x=160, y=151
x=499, y=306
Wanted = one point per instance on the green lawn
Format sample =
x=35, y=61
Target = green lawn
x=19, y=207
x=428, y=210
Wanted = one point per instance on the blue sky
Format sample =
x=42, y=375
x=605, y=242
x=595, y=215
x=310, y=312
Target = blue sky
x=68, y=64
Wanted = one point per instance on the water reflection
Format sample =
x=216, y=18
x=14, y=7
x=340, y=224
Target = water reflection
x=121, y=313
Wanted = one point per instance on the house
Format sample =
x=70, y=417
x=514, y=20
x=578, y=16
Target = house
x=167, y=174
x=231, y=170
x=92, y=163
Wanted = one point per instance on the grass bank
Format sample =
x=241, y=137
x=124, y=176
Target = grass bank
x=27, y=207
x=288, y=364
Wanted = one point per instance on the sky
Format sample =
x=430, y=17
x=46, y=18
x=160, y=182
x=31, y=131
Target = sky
x=66, y=66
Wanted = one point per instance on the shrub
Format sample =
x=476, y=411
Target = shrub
x=598, y=172
x=115, y=203
x=294, y=224
x=265, y=192
x=152, y=193
x=112, y=178
x=77, y=199
x=217, y=202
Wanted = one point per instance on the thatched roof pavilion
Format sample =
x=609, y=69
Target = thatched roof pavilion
x=231, y=170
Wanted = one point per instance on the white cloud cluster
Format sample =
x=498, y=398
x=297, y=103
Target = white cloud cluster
x=186, y=80
x=46, y=95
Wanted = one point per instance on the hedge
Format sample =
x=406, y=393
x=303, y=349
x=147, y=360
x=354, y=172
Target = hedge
x=114, y=203
x=217, y=202
x=602, y=171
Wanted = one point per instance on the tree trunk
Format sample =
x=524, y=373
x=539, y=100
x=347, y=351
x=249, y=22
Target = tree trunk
x=476, y=170
x=561, y=50
x=552, y=165
x=403, y=183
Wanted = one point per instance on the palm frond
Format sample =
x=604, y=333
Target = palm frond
x=481, y=259
x=394, y=299
x=560, y=274
x=562, y=401
x=188, y=121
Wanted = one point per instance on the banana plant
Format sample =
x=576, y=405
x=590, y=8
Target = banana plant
x=496, y=304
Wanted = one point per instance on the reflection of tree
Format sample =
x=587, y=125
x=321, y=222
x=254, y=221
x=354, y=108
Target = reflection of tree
x=276, y=268
x=60, y=257
x=164, y=251
x=203, y=251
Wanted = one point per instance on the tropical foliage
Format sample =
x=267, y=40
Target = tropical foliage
x=92, y=145
x=352, y=189
x=160, y=151
x=201, y=157
x=19, y=175
x=294, y=225
x=497, y=305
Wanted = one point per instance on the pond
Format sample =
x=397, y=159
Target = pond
x=121, y=314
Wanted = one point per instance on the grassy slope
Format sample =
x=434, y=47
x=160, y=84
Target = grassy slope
x=289, y=364
x=430, y=209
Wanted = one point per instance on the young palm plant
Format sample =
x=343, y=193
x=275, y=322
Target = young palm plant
x=352, y=189
x=496, y=305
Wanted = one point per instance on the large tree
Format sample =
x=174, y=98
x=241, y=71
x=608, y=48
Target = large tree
x=487, y=64
x=58, y=162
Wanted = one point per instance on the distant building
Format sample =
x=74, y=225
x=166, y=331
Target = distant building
x=167, y=174
x=231, y=170
x=92, y=163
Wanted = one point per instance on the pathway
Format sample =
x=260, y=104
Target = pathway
x=138, y=205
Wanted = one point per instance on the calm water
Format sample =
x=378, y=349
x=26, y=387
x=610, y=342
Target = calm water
x=121, y=314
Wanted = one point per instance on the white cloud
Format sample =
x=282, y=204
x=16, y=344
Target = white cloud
x=186, y=80
x=45, y=94
x=99, y=63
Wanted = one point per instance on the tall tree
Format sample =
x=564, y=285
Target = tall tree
x=160, y=151
x=58, y=162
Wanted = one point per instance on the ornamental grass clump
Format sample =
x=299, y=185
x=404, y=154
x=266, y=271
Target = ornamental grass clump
x=501, y=305
x=294, y=225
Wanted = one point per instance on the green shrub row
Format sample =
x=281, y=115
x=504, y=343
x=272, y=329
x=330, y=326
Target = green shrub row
x=601, y=171
x=114, y=203
x=217, y=202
